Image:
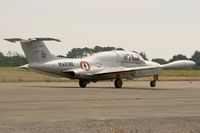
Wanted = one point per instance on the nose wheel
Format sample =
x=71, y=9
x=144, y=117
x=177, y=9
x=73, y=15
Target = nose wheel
x=118, y=83
x=153, y=83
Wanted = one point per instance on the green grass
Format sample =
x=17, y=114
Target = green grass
x=9, y=74
x=186, y=72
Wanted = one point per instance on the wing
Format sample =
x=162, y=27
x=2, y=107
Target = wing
x=119, y=70
x=24, y=66
x=146, y=70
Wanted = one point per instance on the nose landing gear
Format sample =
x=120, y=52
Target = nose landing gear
x=153, y=83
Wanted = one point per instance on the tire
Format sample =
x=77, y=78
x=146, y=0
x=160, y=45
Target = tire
x=153, y=83
x=118, y=83
x=82, y=83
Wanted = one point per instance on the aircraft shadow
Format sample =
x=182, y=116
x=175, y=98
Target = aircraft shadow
x=102, y=88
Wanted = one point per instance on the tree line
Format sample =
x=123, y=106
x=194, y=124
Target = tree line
x=80, y=52
x=13, y=59
x=195, y=57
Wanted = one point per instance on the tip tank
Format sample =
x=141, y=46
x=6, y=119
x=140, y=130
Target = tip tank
x=180, y=64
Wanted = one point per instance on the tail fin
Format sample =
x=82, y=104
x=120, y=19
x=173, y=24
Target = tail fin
x=35, y=50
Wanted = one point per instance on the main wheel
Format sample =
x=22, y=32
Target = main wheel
x=82, y=83
x=153, y=83
x=118, y=83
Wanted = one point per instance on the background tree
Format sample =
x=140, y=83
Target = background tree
x=12, y=59
x=101, y=49
x=178, y=57
x=3, y=60
x=196, y=58
x=79, y=52
x=160, y=61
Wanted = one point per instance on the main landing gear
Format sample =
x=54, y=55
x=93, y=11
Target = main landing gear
x=82, y=83
x=153, y=82
x=118, y=83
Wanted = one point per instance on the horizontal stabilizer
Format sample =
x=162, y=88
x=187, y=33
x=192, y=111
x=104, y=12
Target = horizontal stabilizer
x=23, y=67
x=47, y=39
x=14, y=40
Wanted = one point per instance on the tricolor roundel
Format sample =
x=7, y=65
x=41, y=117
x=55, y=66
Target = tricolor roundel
x=85, y=65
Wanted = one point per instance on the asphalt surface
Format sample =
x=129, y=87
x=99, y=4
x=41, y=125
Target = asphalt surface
x=64, y=107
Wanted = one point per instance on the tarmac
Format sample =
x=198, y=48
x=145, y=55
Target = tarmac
x=64, y=107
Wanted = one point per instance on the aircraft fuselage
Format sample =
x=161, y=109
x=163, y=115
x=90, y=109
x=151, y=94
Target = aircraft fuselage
x=84, y=68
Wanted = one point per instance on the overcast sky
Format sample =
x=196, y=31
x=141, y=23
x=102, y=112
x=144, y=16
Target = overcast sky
x=161, y=28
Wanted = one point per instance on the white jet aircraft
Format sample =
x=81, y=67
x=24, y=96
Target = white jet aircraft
x=113, y=65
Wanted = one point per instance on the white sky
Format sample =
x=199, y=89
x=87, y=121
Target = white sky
x=161, y=28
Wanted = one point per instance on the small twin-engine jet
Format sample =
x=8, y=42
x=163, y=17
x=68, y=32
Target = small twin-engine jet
x=111, y=65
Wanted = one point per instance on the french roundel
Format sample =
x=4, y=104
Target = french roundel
x=85, y=65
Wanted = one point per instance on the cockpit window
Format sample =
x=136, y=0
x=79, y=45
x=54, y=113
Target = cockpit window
x=140, y=57
x=131, y=57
